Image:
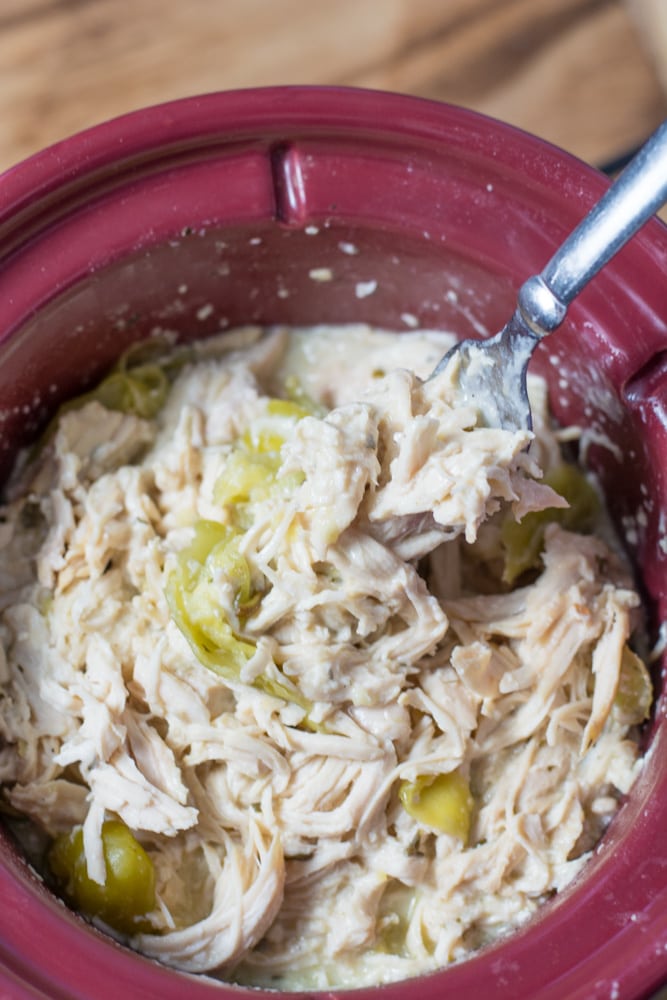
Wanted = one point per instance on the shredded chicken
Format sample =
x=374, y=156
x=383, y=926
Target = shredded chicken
x=273, y=639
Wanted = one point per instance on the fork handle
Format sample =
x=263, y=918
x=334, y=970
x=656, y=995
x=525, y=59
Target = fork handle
x=631, y=200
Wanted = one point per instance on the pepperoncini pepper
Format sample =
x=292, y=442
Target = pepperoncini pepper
x=128, y=892
x=442, y=802
x=523, y=540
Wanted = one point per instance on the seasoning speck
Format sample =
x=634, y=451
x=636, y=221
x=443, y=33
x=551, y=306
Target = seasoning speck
x=320, y=274
x=365, y=288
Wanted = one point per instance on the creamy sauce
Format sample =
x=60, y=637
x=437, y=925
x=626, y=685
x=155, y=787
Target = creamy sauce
x=270, y=629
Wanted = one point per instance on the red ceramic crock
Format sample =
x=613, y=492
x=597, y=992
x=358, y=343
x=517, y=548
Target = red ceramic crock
x=209, y=212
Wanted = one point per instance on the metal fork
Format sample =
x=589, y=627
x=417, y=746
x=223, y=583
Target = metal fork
x=491, y=374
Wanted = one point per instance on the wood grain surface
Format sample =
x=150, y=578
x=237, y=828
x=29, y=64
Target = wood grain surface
x=577, y=72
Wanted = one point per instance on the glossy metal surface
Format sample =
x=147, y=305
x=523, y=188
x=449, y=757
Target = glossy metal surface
x=492, y=373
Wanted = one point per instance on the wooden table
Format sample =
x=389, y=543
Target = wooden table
x=574, y=71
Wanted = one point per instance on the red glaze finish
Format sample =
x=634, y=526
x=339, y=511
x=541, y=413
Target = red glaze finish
x=213, y=211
